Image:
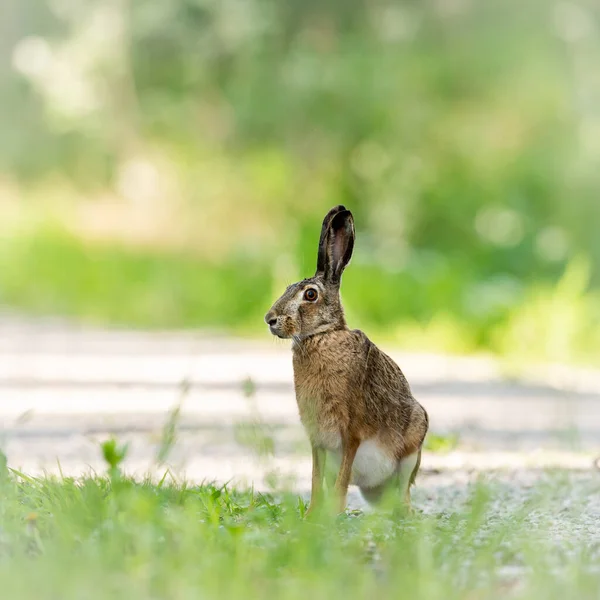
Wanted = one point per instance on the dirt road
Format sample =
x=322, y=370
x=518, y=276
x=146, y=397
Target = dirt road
x=63, y=390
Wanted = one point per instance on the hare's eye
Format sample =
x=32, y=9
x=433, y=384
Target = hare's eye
x=310, y=295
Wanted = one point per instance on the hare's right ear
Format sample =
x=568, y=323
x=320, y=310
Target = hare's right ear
x=336, y=244
x=340, y=243
x=323, y=240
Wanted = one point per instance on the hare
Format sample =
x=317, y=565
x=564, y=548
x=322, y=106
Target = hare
x=354, y=401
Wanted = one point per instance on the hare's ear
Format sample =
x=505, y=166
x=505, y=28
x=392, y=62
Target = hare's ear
x=322, y=256
x=340, y=243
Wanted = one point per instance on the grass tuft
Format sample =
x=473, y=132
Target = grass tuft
x=98, y=538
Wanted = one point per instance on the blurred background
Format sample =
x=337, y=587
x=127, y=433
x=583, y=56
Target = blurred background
x=167, y=165
x=164, y=171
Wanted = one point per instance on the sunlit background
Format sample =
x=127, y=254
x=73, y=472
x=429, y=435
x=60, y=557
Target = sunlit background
x=168, y=164
x=165, y=167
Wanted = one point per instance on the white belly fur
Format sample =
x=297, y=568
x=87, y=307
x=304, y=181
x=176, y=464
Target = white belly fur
x=372, y=466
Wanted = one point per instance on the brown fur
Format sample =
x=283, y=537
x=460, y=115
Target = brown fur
x=346, y=388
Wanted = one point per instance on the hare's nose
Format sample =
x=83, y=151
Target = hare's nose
x=271, y=319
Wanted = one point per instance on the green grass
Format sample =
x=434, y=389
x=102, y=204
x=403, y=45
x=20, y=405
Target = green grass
x=52, y=272
x=442, y=443
x=112, y=537
x=45, y=270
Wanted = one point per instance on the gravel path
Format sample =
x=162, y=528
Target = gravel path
x=63, y=390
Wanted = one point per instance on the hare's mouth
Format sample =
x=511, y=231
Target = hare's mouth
x=277, y=332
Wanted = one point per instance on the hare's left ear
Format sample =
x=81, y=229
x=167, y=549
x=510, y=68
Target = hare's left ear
x=322, y=255
x=339, y=246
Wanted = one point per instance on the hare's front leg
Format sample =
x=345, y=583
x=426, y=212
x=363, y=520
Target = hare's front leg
x=318, y=474
x=349, y=448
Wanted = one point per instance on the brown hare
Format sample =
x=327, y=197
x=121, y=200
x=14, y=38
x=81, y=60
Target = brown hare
x=354, y=401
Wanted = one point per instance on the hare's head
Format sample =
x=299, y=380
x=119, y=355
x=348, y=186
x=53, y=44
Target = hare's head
x=313, y=305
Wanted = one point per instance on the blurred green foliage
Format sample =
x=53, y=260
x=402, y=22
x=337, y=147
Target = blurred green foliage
x=169, y=163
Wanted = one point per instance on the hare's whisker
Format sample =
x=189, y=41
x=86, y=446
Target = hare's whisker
x=298, y=341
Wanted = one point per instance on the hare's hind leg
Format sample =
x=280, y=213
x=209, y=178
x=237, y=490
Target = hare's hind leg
x=408, y=468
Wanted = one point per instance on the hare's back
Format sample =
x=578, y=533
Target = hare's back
x=384, y=379
x=390, y=404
